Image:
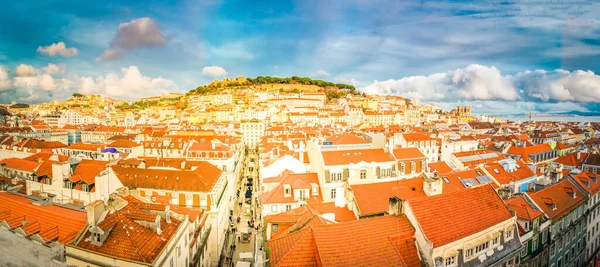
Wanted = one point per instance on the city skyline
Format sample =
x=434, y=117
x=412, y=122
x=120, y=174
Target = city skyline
x=497, y=56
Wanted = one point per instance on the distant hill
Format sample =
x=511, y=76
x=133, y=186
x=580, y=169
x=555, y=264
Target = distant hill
x=293, y=84
x=20, y=105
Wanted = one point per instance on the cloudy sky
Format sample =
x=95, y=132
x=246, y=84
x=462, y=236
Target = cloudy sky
x=501, y=56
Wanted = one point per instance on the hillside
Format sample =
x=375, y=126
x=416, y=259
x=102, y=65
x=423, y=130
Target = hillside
x=293, y=84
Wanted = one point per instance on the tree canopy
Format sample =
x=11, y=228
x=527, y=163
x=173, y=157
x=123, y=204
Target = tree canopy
x=19, y=105
x=275, y=80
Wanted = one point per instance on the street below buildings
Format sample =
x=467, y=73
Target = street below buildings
x=246, y=221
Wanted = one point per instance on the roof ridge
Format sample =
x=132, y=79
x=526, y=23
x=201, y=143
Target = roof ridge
x=137, y=249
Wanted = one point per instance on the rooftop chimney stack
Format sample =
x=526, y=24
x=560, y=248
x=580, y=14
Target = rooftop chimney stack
x=395, y=206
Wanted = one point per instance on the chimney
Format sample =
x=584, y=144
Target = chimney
x=94, y=212
x=213, y=144
x=168, y=214
x=578, y=155
x=391, y=145
x=395, y=206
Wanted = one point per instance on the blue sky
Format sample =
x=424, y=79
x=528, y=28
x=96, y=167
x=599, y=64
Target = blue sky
x=499, y=56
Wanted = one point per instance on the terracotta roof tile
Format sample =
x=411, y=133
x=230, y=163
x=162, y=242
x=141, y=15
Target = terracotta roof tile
x=374, y=198
x=201, y=179
x=50, y=222
x=557, y=200
x=466, y=211
x=523, y=209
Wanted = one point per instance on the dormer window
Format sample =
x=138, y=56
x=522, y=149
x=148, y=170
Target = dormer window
x=496, y=171
x=586, y=182
x=571, y=192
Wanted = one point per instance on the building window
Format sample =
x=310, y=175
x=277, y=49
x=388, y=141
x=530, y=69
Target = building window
x=482, y=247
x=450, y=261
x=534, y=243
x=273, y=208
x=363, y=174
x=336, y=176
x=524, y=251
x=287, y=191
x=509, y=234
x=275, y=228
x=469, y=253
x=333, y=193
x=288, y=207
x=552, y=250
x=495, y=241
x=413, y=166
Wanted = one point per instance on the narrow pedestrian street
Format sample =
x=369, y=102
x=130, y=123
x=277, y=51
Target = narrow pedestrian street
x=246, y=224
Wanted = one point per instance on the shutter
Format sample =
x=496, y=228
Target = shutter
x=346, y=174
x=181, y=199
x=378, y=171
x=196, y=200
x=142, y=193
x=327, y=177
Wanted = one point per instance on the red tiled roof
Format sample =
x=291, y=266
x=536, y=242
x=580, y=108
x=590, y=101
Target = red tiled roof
x=128, y=239
x=504, y=178
x=466, y=212
x=408, y=153
x=347, y=139
x=589, y=182
x=51, y=222
x=374, y=198
x=556, y=200
x=571, y=159
x=523, y=209
x=201, y=179
x=346, y=244
x=296, y=181
x=20, y=164
x=440, y=166
x=524, y=152
x=124, y=143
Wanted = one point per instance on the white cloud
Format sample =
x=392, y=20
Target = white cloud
x=138, y=33
x=26, y=70
x=131, y=85
x=213, y=71
x=5, y=82
x=493, y=107
x=54, y=69
x=560, y=85
x=475, y=82
x=322, y=73
x=57, y=49
x=346, y=80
